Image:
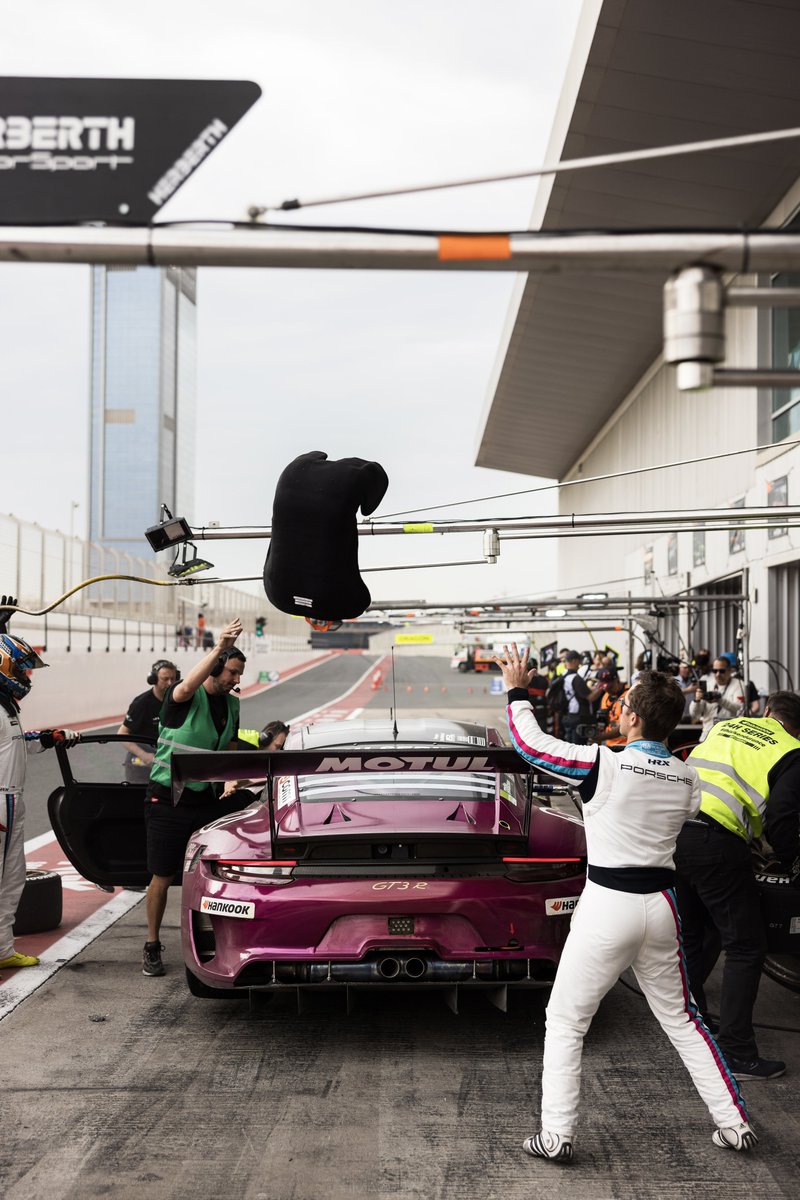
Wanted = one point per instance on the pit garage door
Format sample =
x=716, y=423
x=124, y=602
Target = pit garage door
x=784, y=625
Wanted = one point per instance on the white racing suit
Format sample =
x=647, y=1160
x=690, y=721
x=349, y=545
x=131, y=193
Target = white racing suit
x=635, y=801
x=14, y=745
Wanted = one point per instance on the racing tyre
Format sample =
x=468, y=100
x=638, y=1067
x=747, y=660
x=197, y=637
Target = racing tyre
x=784, y=969
x=40, y=905
x=463, y=668
x=198, y=988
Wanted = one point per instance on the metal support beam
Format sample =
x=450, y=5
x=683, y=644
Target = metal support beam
x=273, y=246
x=755, y=377
x=762, y=297
x=561, y=524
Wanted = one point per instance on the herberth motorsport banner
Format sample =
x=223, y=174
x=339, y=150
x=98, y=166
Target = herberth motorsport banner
x=111, y=150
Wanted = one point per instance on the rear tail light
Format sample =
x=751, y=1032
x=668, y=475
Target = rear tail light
x=234, y=870
x=531, y=870
x=540, y=860
x=194, y=851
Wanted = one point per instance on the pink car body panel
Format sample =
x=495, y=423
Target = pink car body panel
x=358, y=900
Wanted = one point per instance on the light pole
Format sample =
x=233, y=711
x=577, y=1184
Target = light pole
x=69, y=556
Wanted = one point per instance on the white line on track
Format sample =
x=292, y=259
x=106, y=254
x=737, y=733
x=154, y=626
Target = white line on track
x=26, y=981
x=338, y=699
x=355, y=713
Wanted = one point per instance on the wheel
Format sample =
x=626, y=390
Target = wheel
x=784, y=969
x=40, y=905
x=463, y=668
x=198, y=988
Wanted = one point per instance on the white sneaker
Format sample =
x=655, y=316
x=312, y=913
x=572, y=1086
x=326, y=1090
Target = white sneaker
x=739, y=1137
x=549, y=1145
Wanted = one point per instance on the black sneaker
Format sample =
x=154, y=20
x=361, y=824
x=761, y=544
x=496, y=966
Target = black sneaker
x=755, y=1068
x=151, y=959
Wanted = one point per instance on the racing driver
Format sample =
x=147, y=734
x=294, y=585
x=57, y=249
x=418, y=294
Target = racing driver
x=635, y=801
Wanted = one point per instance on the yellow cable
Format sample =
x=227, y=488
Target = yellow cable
x=11, y=608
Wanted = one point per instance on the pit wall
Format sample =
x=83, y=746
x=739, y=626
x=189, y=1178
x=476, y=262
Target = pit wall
x=82, y=686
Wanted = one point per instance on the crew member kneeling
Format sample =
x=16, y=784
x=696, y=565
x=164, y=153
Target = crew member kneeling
x=635, y=802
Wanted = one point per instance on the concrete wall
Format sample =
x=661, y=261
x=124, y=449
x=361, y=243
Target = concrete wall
x=78, y=686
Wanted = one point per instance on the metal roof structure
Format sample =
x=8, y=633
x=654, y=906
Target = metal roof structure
x=656, y=74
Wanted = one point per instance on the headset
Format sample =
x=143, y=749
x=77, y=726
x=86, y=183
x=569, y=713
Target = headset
x=234, y=652
x=152, y=678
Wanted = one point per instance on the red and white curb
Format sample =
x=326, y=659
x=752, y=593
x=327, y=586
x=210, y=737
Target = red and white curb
x=89, y=911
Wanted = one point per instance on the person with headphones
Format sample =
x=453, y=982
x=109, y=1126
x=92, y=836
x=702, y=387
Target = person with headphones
x=272, y=737
x=198, y=711
x=141, y=720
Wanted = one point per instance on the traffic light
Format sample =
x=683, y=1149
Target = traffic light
x=260, y=623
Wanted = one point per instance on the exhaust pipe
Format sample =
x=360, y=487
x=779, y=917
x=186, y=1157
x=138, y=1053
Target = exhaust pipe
x=389, y=968
x=415, y=968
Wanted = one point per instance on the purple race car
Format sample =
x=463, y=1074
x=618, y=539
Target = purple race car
x=427, y=855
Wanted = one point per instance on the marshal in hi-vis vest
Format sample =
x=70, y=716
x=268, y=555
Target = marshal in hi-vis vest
x=198, y=732
x=734, y=763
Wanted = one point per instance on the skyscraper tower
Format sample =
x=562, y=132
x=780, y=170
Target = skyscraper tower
x=143, y=396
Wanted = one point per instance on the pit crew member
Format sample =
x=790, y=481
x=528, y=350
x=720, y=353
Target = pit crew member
x=198, y=711
x=749, y=770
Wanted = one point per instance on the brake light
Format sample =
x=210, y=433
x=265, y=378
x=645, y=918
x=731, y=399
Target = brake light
x=236, y=870
x=538, y=869
x=541, y=860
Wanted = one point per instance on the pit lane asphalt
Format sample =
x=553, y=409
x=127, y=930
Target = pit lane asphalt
x=117, y=1085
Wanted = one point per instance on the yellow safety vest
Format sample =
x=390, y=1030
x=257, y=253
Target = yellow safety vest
x=733, y=764
x=250, y=735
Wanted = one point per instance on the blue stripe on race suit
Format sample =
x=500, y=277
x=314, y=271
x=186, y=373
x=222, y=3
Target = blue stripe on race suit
x=693, y=1012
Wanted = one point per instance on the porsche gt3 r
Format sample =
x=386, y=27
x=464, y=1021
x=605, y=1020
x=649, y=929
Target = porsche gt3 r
x=431, y=858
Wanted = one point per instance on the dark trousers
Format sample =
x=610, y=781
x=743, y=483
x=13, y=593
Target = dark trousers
x=569, y=728
x=720, y=906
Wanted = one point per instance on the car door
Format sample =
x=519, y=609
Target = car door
x=98, y=814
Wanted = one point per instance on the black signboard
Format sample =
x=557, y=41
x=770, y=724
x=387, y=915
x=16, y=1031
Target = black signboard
x=107, y=149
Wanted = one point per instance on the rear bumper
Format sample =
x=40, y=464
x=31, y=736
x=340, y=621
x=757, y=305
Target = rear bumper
x=329, y=933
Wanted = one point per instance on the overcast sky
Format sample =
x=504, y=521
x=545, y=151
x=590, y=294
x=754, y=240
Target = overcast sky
x=389, y=366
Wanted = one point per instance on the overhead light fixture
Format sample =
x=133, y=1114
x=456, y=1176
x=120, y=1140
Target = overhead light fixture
x=170, y=531
x=592, y=599
x=188, y=566
x=555, y=612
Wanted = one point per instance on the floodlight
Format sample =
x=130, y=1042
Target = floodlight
x=188, y=566
x=555, y=612
x=170, y=531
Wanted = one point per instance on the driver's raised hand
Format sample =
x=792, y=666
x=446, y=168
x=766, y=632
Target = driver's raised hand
x=514, y=667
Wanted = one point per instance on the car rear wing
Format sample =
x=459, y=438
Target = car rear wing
x=226, y=765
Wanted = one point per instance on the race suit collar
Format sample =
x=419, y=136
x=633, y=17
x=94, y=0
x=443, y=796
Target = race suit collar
x=658, y=749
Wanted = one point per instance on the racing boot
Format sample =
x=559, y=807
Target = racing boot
x=18, y=960
x=738, y=1137
x=549, y=1145
x=151, y=959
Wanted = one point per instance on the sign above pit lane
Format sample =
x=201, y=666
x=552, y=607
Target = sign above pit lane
x=107, y=149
